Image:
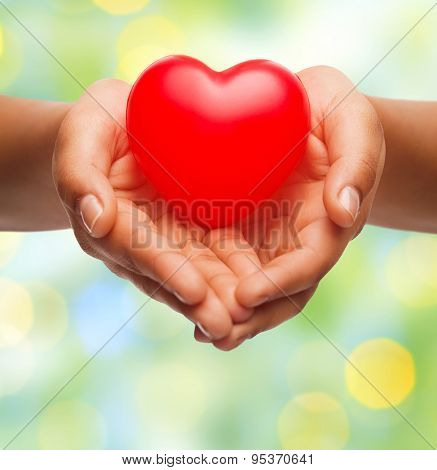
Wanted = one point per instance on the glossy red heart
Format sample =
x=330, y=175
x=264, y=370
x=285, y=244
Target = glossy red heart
x=217, y=143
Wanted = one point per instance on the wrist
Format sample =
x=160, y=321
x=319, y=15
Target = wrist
x=46, y=129
x=406, y=198
x=28, y=133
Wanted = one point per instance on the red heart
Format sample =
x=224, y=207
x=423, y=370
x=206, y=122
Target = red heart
x=212, y=140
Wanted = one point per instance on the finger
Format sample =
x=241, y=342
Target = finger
x=221, y=279
x=218, y=276
x=149, y=287
x=266, y=317
x=201, y=337
x=209, y=316
x=322, y=245
x=355, y=142
x=83, y=155
x=135, y=244
x=233, y=250
x=129, y=181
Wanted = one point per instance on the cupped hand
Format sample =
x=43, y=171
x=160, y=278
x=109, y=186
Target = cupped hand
x=118, y=218
x=321, y=207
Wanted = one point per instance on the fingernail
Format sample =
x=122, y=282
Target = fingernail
x=90, y=210
x=179, y=296
x=350, y=199
x=202, y=329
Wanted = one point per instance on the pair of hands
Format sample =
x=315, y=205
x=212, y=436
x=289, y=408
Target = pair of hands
x=236, y=282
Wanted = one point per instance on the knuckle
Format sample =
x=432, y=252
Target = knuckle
x=375, y=126
x=337, y=98
x=113, y=83
x=367, y=173
x=371, y=121
x=366, y=114
x=327, y=70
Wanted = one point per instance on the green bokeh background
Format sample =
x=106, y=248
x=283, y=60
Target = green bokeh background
x=153, y=386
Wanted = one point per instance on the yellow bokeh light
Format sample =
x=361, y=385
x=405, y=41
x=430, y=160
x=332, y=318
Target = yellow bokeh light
x=121, y=7
x=72, y=8
x=135, y=61
x=1, y=40
x=50, y=315
x=411, y=271
x=16, y=367
x=145, y=40
x=149, y=30
x=171, y=397
x=71, y=424
x=10, y=57
x=9, y=241
x=16, y=312
x=387, y=365
x=313, y=420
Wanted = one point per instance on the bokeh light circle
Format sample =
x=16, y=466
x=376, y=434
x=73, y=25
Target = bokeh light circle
x=411, y=271
x=136, y=60
x=387, y=365
x=50, y=315
x=16, y=312
x=172, y=397
x=104, y=303
x=16, y=367
x=121, y=7
x=313, y=420
x=72, y=8
x=9, y=243
x=71, y=424
x=145, y=40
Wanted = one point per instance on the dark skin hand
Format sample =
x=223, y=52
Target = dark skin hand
x=236, y=282
x=287, y=255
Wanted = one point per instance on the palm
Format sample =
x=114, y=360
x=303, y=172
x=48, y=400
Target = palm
x=141, y=202
x=261, y=266
x=142, y=211
x=299, y=206
x=139, y=206
x=292, y=251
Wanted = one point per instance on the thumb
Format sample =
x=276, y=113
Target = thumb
x=81, y=165
x=355, y=142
